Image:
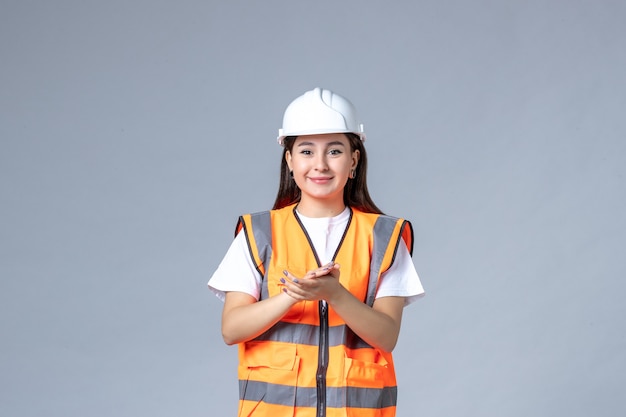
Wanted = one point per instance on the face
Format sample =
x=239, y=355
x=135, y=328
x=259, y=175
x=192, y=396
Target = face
x=321, y=166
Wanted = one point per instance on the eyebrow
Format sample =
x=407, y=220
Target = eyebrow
x=333, y=143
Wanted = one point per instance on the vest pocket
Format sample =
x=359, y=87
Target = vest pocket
x=268, y=375
x=364, y=374
x=365, y=394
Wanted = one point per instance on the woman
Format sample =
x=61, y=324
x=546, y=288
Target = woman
x=314, y=289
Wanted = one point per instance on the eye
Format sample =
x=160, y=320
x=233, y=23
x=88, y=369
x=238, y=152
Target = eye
x=306, y=152
x=335, y=152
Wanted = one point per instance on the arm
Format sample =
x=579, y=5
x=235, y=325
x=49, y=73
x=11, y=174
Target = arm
x=243, y=318
x=378, y=325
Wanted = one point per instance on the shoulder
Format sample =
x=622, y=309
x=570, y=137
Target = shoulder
x=374, y=217
x=248, y=222
x=389, y=227
x=261, y=221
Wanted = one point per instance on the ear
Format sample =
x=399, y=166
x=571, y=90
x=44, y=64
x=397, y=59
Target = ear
x=356, y=155
x=288, y=159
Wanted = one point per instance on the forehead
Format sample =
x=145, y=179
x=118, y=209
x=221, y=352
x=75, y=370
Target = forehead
x=322, y=140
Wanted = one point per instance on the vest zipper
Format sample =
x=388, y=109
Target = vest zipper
x=322, y=360
x=322, y=355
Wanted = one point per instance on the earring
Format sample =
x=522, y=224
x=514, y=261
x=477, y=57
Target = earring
x=352, y=173
x=291, y=174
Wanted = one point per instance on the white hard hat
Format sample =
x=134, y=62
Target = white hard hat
x=318, y=112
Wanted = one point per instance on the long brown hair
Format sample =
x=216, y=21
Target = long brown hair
x=355, y=193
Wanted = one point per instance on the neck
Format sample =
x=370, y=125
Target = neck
x=310, y=208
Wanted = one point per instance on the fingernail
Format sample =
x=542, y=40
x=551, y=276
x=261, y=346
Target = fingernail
x=296, y=280
x=285, y=272
x=282, y=280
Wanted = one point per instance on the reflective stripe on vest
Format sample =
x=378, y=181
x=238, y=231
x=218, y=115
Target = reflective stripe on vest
x=278, y=369
x=306, y=397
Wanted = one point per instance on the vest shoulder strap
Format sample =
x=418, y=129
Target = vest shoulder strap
x=388, y=233
x=257, y=228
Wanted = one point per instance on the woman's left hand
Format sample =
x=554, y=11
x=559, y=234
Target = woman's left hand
x=318, y=284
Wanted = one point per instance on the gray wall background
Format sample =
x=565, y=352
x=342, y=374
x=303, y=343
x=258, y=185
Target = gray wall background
x=133, y=133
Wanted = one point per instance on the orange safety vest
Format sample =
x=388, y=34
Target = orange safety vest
x=311, y=363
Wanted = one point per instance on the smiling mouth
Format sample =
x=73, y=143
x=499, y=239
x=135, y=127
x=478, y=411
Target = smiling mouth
x=320, y=180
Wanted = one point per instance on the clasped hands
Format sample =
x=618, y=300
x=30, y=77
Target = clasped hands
x=318, y=284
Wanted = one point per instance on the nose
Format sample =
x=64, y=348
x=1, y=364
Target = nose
x=320, y=162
